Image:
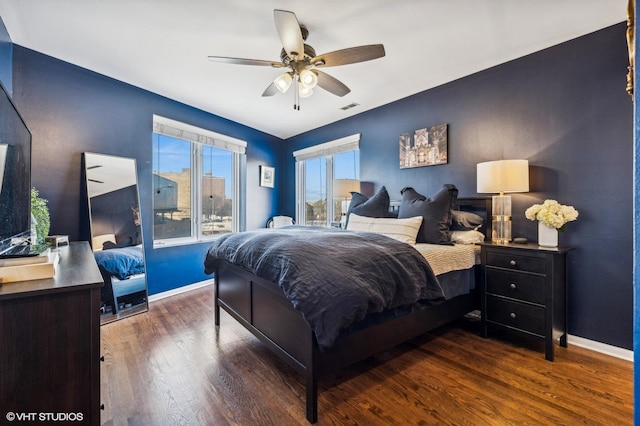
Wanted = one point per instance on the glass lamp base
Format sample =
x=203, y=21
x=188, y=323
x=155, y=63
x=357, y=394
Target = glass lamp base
x=501, y=219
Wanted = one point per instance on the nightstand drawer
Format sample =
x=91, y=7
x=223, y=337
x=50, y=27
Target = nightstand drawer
x=516, y=262
x=514, y=314
x=516, y=285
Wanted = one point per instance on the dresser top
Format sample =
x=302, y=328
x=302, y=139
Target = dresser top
x=76, y=270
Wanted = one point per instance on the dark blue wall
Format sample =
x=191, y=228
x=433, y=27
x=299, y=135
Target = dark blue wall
x=111, y=213
x=564, y=109
x=70, y=110
x=6, y=58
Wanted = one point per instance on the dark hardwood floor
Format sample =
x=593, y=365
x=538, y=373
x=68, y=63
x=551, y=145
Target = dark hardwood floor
x=171, y=366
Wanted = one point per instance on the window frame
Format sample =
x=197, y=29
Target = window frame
x=327, y=150
x=197, y=138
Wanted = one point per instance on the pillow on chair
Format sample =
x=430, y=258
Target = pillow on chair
x=280, y=221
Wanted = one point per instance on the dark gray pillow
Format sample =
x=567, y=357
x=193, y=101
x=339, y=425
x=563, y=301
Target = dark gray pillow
x=465, y=221
x=376, y=206
x=435, y=212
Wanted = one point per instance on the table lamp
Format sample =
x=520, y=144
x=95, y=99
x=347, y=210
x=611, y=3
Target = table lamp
x=502, y=176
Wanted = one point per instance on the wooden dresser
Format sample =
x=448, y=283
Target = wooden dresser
x=50, y=344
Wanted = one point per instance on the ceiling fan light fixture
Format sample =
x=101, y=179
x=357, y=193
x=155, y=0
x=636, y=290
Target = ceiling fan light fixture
x=308, y=79
x=300, y=60
x=283, y=82
x=304, y=91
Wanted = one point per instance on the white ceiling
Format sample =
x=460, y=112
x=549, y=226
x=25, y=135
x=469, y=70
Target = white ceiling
x=162, y=46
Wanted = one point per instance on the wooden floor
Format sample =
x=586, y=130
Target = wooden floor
x=171, y=366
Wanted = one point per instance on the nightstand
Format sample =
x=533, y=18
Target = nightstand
x=525, y=291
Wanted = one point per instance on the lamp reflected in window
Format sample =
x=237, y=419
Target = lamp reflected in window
x=342, y=189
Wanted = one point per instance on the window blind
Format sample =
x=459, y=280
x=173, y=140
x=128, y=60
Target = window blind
x=338, y=146
x=178, y=130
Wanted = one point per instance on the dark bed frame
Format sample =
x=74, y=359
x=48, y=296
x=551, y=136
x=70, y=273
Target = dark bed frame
x=261, y=307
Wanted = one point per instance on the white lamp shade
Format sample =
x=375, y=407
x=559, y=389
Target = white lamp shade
x=283, y=81
x=503, y=176
x=342, y=188
x=304, y=91
x=308, y=78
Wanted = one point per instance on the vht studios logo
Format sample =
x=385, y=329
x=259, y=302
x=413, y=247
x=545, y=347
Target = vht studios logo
x=44, y=417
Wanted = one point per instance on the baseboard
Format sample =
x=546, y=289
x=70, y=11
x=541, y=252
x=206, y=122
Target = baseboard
x=611, y=350
x=179, y=290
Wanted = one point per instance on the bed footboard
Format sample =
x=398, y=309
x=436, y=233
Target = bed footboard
x=261, y=307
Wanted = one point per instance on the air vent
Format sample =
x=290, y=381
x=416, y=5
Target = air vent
x=351, y=105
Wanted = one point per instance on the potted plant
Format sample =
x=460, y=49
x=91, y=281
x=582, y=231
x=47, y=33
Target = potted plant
x=39, y=216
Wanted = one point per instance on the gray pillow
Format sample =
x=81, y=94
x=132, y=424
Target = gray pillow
x=465, y=221
x=376, y=206
x=435, y=212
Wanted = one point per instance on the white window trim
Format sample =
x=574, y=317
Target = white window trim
x=179, y=130
x=328, y=150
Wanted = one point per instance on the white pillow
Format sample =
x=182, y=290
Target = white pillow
x=467, y=237
x=404, y=230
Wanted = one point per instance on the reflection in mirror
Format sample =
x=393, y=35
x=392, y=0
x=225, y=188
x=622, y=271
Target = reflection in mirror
x=116, y=234
x=3, y=160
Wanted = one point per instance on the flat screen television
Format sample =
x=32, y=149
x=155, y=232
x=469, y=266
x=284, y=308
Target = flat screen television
x=15, y=182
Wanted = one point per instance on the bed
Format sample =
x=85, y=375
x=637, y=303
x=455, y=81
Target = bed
x=262, y=306
x=123, y=272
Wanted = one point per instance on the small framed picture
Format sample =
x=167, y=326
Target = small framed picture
x=267, y=176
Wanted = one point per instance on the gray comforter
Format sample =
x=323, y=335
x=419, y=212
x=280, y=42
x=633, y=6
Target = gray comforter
x=332, y=277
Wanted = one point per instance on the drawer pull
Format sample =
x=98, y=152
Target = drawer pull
x=512, y=286
x=512, y=315
x=513, y=262
x=102, y=358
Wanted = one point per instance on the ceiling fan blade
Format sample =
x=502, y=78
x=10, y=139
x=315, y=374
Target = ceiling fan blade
x=331, y=84
x=271, y=90
x=241, y=61
x=350, y=55
x=289, y=32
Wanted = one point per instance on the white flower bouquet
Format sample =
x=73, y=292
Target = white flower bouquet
x=552, y=214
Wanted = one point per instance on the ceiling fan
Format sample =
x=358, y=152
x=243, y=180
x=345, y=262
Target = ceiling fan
x=302, y=62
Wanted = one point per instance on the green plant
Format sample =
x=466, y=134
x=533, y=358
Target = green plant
x=40, y=212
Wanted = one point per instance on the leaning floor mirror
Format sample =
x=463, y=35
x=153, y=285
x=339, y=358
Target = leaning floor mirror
x=116, y=234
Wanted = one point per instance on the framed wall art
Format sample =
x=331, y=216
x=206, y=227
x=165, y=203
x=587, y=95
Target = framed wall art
x=267, y=176
x=429, y=147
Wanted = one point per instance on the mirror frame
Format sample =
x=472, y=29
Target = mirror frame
x=116, y=234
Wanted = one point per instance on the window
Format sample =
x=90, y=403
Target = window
x=326, y=172
x=315, y=191
x=196, y=182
